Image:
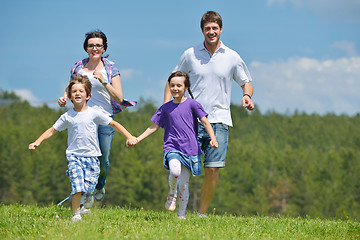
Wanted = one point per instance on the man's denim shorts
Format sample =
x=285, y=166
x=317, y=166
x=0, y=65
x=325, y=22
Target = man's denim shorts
x=214, y=157
x=83, y=173
x=193, y=163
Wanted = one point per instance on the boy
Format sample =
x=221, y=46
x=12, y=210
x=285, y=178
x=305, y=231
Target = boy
x=83, y=144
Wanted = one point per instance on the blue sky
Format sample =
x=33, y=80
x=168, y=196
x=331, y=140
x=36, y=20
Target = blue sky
x=302, y=54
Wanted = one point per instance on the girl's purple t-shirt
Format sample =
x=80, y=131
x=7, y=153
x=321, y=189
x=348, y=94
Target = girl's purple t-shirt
x=180, y=123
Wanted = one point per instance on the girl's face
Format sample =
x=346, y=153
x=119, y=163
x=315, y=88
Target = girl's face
x=78, y=94
x=95, y=47
x=177, y=87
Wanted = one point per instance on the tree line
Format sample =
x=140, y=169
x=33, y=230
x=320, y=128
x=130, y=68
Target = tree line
x=288, y=165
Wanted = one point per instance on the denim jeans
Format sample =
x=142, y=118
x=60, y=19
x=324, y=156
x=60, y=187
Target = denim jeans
x=214, y=157
x=106, y=135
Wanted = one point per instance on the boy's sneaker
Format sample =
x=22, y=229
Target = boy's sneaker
x=99, y=194
x=76, y=218
x=84, y=210
x=88, y=201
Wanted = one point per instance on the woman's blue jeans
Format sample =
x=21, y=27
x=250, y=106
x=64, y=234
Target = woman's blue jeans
x=106, y=135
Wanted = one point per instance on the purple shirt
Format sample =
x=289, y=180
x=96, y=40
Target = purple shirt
x=180, y=122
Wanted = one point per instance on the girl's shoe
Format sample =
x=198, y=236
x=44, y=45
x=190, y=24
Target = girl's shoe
x=170, y=203
x=181, y=218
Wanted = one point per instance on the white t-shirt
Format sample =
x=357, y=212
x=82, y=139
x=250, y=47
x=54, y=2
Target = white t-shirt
x=211, y=78
x=100, y=98
x=82, y=131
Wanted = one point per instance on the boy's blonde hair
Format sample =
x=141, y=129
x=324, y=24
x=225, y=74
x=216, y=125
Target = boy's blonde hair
x=84, y=80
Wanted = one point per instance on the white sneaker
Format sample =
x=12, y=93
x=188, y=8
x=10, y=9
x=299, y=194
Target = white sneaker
x=201, y=214
x=76, y=218
x=84, y=210
x=99, y=194
x=88, y=201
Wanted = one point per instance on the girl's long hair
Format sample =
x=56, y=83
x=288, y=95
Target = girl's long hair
x=187, y=80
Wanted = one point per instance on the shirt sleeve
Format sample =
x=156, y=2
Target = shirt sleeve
x=241, y=73
x=158, y=118
x=199, y=110
x=101, y=118
x=61, y=124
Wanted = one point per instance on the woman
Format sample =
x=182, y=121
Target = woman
x=106, y=96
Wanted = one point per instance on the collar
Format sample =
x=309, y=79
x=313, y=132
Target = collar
x=201, y=47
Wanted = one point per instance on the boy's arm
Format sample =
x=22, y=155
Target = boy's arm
x=150, y=130
x=46, y=135
x=118, y=127
x=210, y=131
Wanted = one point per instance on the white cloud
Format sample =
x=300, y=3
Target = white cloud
x=327, y=10
x=348, y=47
x=308, y=85
x=27, y=95
x=128, y=74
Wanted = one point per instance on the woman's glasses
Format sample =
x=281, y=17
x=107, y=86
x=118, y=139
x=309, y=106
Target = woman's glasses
x=97, y=46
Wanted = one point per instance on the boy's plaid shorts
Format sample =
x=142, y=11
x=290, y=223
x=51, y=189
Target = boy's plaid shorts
x=83, y=173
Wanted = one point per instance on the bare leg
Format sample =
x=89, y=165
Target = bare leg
x=75, y=201
x=208, y=188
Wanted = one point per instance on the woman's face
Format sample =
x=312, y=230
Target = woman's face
x=95, y=47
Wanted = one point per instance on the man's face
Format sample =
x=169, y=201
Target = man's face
x=212, y=33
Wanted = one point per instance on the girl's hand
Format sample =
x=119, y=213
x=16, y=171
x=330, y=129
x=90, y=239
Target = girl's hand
x=132, y=142
x=214, y=144
x=62, y=101
x=33, y=145
x=99, y=77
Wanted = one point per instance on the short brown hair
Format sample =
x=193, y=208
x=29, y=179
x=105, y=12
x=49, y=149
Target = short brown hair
x=84, y=80
x=210, y=16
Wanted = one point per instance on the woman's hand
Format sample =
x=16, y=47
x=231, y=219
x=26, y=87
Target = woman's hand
x=62, y=101
x=99, y=76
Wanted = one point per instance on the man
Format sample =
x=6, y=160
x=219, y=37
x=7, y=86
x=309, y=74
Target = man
x=212, y=66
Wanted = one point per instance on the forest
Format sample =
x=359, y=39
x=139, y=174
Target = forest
x=296, y=165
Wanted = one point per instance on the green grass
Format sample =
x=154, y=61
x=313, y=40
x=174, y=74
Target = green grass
x=33, y=222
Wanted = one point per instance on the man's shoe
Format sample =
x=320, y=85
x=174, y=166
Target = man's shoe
x=201, y=214
x=99, y=194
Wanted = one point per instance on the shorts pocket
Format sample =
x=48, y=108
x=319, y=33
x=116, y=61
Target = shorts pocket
x=196, y=165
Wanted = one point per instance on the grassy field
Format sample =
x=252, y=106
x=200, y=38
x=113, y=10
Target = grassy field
x=33, y=222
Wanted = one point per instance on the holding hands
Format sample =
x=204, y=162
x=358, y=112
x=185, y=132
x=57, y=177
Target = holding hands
x=132, y=142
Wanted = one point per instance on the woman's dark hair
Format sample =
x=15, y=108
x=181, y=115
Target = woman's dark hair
x=186, y=82
x=95, y=34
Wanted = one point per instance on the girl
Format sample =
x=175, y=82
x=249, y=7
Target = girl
x=182, y=153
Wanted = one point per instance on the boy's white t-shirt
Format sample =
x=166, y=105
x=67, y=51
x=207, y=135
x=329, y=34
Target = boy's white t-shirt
x=82, y=131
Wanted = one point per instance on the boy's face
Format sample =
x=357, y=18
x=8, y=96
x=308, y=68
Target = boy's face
x=212, y=33
x=78, y=94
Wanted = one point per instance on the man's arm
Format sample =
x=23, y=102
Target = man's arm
x=247, y=93
x=167, y=93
